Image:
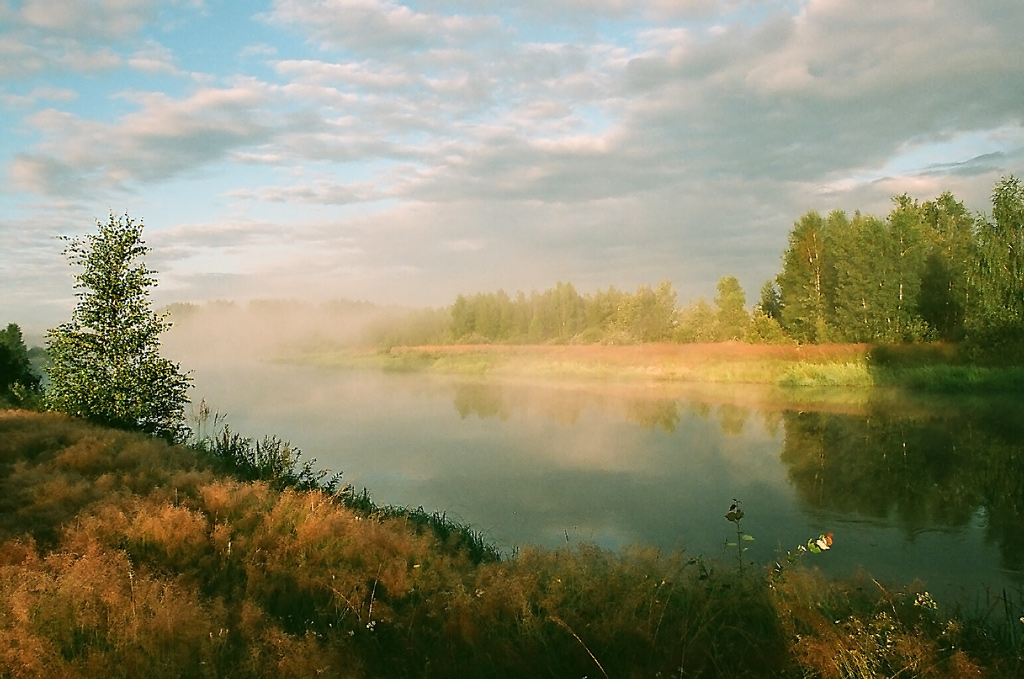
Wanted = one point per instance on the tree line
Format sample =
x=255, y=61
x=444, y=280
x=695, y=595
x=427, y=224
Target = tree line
x=564, y=315
x=928, y=271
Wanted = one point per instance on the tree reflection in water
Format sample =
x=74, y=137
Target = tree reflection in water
x=920, y=468
x=919, y=464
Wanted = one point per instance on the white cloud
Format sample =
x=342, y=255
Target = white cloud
x=377, y=26
x=22, y=56
x=154, y=58
x=339, y=76
x=458, y=146
x=37, y=95
x=321, y=192
x=112, y=19
x=165, y=138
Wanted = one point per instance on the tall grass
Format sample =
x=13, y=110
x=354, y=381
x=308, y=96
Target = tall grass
x=144, y=559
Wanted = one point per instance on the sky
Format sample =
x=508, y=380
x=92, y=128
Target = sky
x=406, y=152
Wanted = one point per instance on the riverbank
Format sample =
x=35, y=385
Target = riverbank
x=122, y=556
x=922, y=367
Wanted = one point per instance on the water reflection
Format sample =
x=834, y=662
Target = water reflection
x=565, y=404
x=942, y=468
x=911, y=487
x=936, y=470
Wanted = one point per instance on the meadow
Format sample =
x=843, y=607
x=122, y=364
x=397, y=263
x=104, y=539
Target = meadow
x=123, y=556
x=939, y=367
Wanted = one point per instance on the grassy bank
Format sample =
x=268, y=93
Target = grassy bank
x=121, y=556
x=922, y=367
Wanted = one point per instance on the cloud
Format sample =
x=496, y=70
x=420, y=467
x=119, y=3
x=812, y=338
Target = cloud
x=37, y=95
x=838, y=85
x=322, y=192
x=259, y=50
x=23, y=56
x=454, y=146
x=161, y=140
x=154, y=58
x=376, y=26
x=78, y=36
x=111, y=19
x=356, y=75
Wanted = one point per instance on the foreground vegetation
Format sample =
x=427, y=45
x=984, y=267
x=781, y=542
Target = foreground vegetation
x=124, y=556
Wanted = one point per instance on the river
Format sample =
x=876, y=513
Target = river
x=923, y=488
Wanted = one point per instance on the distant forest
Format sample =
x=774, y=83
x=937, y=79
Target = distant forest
x=928, y=271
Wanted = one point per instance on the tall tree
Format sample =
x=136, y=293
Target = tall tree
x=17, y=378
x=649, y=314
x=463, y=318
x=945, y=278
x=770, y=303
x=601, y=313
x=697, y=323
x=905, y=254
x=997, y=314
x=731, y=309
x=802, y=281
x=858, y=307
x=105, y=364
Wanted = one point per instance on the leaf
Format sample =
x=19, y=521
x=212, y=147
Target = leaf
x=748, y=538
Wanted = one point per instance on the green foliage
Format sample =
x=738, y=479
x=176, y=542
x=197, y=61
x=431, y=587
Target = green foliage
x=561, y=315
x=928, y=271
x=19, y=383
x=269, y=459
x=697, y=323
x=858, y=279
x=947, y=270
x=802, y=281
x=104, y=363
x=765, y=329
x=732, y=319
x=995, y=320
x=905, y=253
x=648, y=315
x=770, y=303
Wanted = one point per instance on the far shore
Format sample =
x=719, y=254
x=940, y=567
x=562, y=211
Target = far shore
x=926, y=367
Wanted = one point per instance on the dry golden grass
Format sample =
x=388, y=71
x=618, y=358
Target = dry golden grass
x=123, y=557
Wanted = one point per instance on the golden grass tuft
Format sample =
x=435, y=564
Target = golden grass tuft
x=129, y=558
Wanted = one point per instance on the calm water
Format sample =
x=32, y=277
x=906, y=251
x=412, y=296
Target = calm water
x=932, y=489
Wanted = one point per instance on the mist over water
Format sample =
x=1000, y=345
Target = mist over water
x=926, y=488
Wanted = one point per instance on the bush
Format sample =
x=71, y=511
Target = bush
x=270, y=459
